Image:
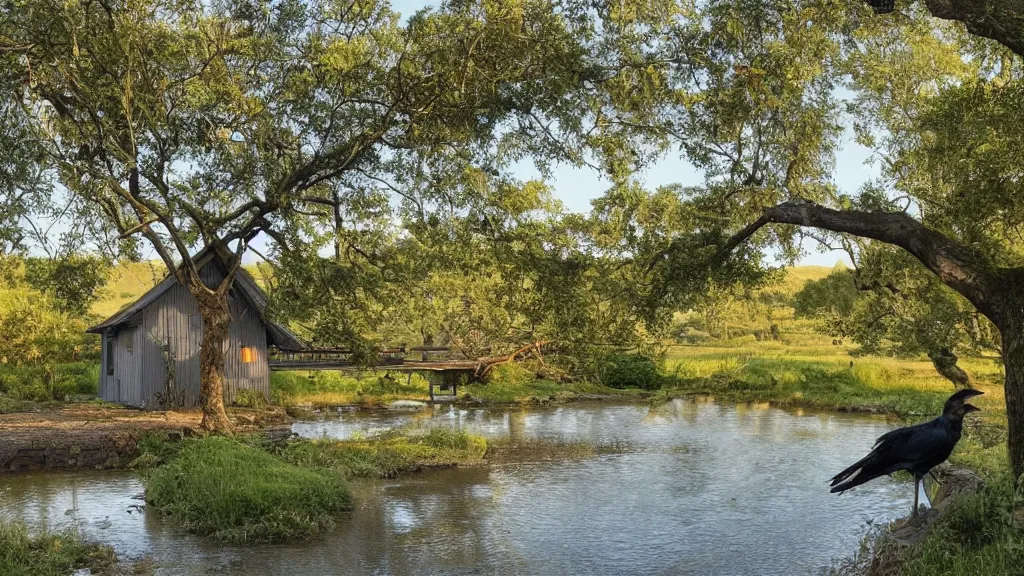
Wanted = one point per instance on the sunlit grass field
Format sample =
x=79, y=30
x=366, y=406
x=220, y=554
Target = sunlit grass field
x=809, y=369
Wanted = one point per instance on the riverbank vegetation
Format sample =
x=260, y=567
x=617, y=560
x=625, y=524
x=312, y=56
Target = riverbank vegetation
x=27, y=553
x=388, y=455
x=245, y=491
x=236, y=493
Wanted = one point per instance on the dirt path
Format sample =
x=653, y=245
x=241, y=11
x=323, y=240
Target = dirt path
x=92, y=436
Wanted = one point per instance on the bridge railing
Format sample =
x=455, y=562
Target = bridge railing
x=342, y=358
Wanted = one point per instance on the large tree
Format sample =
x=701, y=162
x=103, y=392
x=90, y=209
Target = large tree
x=761, y=90
x=198, y=123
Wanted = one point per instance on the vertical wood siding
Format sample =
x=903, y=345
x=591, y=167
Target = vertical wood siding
x=105, y=391
x=173, y=321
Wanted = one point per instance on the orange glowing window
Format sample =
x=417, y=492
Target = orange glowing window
x=248, y=354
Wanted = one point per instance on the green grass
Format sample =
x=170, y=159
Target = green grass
x=23, y=553
x=236, y=493
x=390, y=455
x=321, y=388
x=977, y=535
x=817, y=374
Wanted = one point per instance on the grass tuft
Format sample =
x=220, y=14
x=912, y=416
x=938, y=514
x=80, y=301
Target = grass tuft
x=23, y=553
x=390, y=455
x=235, y=493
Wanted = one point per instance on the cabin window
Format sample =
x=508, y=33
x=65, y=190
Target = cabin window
x=110, y=356
x=248, y=354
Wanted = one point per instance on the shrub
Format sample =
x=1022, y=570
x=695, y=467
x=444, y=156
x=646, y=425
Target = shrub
x=46, y=554
x=248, y=398
x=46, y=382
x=236, y=493
x=511, y=374
x=630, y=371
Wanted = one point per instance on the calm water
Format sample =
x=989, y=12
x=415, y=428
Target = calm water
x=704, y=489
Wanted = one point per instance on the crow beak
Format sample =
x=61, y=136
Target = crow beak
x=968, y=408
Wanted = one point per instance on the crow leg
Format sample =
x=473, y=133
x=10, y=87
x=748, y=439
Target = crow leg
x=917, y=489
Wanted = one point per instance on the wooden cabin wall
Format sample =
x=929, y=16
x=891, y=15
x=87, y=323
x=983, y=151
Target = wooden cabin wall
x=172, y=321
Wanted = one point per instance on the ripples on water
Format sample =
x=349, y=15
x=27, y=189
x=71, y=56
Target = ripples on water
x=705, y=489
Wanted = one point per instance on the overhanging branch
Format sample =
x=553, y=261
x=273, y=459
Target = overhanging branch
x=956, y=265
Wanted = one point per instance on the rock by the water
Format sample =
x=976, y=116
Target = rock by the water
x=406, y=405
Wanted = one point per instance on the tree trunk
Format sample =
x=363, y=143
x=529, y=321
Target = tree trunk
x=1013, y=361
x=945, y=362
x=216, y=316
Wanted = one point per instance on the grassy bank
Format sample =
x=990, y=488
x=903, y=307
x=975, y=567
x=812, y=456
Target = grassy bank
x=320, y=389
x=977, y=535
x=390, y=455
x=224, y=489
x=24, y=553
x=237, y=491
x=813, y=373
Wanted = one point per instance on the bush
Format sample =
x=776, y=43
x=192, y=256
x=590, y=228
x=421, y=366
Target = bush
x=25, y=554
x=248, y=398
x=42, y=383
x=977, y=535
x=511, y=374
x=240, y=494
x=630, y=371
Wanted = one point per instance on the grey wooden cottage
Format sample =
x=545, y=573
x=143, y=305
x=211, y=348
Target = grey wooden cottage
x=150, y=348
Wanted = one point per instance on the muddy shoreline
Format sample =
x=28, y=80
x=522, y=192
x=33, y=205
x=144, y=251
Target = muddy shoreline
x=94, y=437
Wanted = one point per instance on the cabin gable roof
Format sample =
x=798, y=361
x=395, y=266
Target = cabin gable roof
x=244, y=285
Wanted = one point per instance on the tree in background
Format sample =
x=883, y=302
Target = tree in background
x=507, y=271
x=72, y=282
x=751, y=101
x=193, y=124
x=890, y=306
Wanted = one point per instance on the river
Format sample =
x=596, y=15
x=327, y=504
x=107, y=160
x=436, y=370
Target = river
x=693, y=488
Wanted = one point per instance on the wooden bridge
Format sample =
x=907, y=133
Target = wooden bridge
x=388, y=359
x=435, y=359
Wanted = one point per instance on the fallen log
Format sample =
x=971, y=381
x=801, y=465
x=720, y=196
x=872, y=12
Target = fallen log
x=485, y=364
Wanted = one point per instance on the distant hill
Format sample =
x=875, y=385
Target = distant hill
x=797, y=276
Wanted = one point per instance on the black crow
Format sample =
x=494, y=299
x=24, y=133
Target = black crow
x=916, y=449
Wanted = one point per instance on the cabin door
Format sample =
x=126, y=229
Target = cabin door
x=126, y=368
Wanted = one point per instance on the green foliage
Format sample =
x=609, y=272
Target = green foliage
x=249, y=398
x=802, y=376
x=447, y=439
x=903, y=310
x=388, y=456
x=72, y=282
x=833, y=295
x=46, y=382
x=235, y=493
x=45, y=353
x=154, y=449
x=331, y=388
x=630, y=371
x=511, y=374
x=23, y=553
x=977, y=535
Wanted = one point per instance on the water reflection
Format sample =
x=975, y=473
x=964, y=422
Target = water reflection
x=707, y=489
